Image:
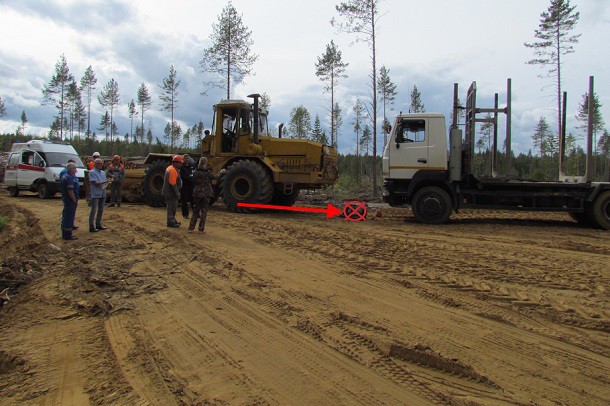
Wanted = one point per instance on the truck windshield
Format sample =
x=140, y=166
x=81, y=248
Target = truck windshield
x=57, y=159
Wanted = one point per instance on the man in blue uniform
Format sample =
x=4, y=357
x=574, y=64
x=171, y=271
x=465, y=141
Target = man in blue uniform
x=69, y=195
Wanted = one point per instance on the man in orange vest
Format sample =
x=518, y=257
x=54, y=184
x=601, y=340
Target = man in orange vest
x=91, y=164
x=116, y=171
x=171, y=190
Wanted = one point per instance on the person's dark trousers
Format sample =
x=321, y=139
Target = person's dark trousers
x=186, y=198
x=172, y=207
x=115, y=192
x=67, y=219
x=97, y=209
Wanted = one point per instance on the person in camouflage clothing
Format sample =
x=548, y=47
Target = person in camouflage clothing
x=202, y=193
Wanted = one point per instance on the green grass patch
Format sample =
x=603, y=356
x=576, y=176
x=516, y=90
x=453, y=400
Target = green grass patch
x=3, y=221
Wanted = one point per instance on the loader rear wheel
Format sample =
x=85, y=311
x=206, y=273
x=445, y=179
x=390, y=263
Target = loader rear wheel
x=600, y=213
x=152, y=183
x=248, y=182
x=282, y=199
x=432, y=205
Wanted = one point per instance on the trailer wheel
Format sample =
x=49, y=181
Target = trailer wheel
x=601, y=210
x=152, y=183
x=13, y=191
x=43, y=190
x=431, y=205
x=246, y=181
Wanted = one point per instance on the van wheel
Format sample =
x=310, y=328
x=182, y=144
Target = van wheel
x=13, y=191
x=432, y=205
x=600, y=213
x=43, y=190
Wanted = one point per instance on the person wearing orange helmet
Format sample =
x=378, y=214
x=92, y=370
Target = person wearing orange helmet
x=116, y=171
x=171, y=190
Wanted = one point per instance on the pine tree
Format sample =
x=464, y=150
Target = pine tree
x=149, y=136
x=169, y=96
x=387, y=91
x=55, y=91
x=24, y=121
x=132, y=113
x=317, y=132
x=105, y=124
x=416, y=104
x=2, y=108
x=110, y=98
x=597, y=120
x=145, y=101
x=337, y=122
x=87, y=85
x=358, y=111
x=365, y=140
x=71, y=97
x=168, y=132
x=361, y=17
x=265, y=102
x=541, y=135
x=300, y=123
x=329, y=69
x=229, y=56
x=555, y=42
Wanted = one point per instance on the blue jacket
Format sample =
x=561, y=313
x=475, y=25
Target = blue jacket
x=69, y=182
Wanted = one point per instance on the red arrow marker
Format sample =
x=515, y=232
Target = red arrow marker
x=330, y=210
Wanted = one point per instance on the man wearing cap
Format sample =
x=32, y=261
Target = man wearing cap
x=97, y=179
x=91, y=164
x=186, y=193
x=171, y=190
x=116, y=171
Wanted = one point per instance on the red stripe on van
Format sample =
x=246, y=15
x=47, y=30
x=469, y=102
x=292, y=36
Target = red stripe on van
x=30, y=168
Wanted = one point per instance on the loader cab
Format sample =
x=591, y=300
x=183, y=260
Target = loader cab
x=231, y=122
x=417, y=142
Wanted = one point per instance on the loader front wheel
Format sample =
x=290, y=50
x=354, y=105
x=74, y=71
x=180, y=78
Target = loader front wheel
x=152, y=183
x=246, y=181
x=432, y=205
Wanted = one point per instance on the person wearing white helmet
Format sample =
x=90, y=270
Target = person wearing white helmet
x=91, y=164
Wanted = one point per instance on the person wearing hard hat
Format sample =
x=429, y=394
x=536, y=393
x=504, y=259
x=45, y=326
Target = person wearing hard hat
x=171, y=190
x=91, y=164
x=116, y=171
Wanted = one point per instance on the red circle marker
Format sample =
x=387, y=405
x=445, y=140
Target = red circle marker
x=354, y=211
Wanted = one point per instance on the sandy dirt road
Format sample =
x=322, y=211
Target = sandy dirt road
x=284, y=308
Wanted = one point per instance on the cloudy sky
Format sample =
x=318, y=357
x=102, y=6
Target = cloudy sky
x=431, y=44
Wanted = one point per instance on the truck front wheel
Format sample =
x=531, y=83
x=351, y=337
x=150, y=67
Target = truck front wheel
x=601, y=210
x=431, y=205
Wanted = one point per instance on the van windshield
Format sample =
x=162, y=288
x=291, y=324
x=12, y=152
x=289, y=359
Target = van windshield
x=58, y=159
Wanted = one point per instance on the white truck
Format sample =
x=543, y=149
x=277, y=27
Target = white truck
x=35, y=166
x=421, y=171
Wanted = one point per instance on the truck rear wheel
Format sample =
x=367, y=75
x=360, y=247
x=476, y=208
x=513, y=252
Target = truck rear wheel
x=248, y=182
x=13, y=191
x=601, y=210
x=431, y=205
x=152, y=183
x=282, y=199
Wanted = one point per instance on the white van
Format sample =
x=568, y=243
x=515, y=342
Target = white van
x=35, y=166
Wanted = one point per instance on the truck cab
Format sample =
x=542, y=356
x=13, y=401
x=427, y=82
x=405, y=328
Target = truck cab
x=416, y=151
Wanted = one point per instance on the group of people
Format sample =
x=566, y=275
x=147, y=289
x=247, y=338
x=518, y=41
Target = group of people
x=190, y=185
x=181, y=182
